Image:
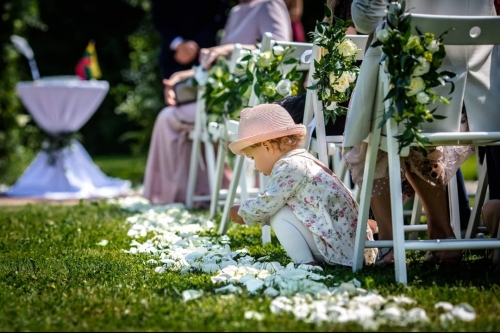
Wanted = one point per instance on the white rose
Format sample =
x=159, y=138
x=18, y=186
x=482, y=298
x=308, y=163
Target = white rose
x=433, y=46
x=351, y=76
x=332, y=106
x=342, y=83
x=284, y=87
x=278, y=50
x=265, y=59
x=422, y=68
x=383, y=35
x=423, y=98
x=417, y=84
x=347, y=48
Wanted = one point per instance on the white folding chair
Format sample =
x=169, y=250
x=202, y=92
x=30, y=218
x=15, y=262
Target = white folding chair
x=208, y=134
x=226, y=135
x=461, y=31
x=326, y=147
x=266, y=45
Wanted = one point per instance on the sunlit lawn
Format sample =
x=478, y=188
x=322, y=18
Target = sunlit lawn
x=54, y=276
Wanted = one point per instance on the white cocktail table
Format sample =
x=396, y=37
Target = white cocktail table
x=62, y=105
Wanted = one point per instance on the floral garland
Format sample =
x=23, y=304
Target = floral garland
x=267, y=68
x=412, y=61
x=336, y=72
x=225, y=93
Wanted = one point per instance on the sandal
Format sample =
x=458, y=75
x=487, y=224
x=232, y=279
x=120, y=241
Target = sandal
x=382, y=253
x=430, y=258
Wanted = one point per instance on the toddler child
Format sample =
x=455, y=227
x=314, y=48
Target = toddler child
x=312, y=213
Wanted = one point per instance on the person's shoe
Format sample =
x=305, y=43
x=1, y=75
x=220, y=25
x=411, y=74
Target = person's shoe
x=431, y=258
x=383, y=257
x=443, y=258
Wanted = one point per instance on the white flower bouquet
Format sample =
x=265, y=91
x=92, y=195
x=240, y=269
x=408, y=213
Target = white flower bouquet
x=336, y=72
x=272, y=80
x=412, y=61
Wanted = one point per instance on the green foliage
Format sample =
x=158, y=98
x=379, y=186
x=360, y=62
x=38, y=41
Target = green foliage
x=225, y=93
x=336, y=72
x=140, y=97
x=113, y=166
x=19, y=137
x=58, y=32
x=272, y=80
x=413, y=62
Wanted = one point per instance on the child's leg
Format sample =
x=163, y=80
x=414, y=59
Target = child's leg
x=295, y=238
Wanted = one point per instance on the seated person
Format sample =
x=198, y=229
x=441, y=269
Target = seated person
x=167, y=167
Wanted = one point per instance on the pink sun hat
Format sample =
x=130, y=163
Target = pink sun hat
x=264, y=122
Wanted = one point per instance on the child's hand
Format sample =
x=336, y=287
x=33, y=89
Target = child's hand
x=233, y=215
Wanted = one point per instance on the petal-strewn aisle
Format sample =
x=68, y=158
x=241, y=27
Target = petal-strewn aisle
x=174, y=245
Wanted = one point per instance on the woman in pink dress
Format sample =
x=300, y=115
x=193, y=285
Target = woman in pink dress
x=167, y=167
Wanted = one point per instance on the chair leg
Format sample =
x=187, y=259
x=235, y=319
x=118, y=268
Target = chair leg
x=219, y=171
x=454, y=207
x=496, y=252
x=193, y=170
x=233, y=185
x=397, y=215
x=364, y=194
x=478, y=202
x=416, y=215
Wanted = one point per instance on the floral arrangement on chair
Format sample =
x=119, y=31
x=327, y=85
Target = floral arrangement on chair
x=272, y=81
x=412, y=61
x=225, y=93
x=336, y=72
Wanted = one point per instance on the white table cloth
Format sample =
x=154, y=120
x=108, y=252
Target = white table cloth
x=61, y=105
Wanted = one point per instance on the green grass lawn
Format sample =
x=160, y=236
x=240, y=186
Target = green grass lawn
x=123, y=167
x=54, y=276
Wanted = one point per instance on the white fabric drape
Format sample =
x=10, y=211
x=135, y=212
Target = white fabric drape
x=60, y=105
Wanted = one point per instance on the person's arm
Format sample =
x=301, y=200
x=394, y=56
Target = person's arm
x=169, y=84
x=284, y=181
x=209, y=55
x=368, y=14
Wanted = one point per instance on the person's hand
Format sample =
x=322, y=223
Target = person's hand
x=186, y=52
x=209, y=55
x=168, y=91
x=233, y=215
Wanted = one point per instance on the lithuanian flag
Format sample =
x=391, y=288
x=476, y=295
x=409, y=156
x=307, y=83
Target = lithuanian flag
x=88, y=67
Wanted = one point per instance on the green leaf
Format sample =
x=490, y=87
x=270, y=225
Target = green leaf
x=328, y=12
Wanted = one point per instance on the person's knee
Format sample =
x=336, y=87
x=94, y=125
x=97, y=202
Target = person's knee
x=491, y=215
